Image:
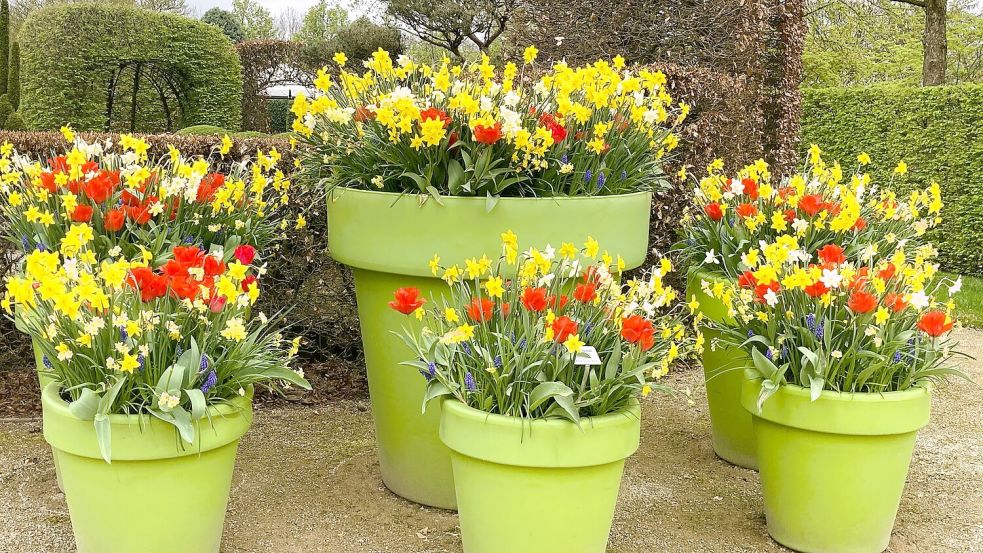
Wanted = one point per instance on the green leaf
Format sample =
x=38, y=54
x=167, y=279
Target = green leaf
x=434, y=390
x=490, y=202
x=198, y=404
x=435, y=194
x=455, y=177
x=546, y=391
x=86, y=406
x=764, y=365
x=102, y=420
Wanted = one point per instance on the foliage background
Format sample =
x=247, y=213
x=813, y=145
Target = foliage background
x=70, y=51
x=936, y=130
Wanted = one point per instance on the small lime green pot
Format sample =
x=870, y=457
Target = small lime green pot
x=832, y=470
x=388, y=240
x=529, y=486
x=731, y=432
x=159, y=494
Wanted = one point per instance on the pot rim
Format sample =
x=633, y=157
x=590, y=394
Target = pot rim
x=142, y=437
x=543, y=443
x=850, y=413
x=483, y=199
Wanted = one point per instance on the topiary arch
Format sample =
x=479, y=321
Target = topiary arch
x=115, y=68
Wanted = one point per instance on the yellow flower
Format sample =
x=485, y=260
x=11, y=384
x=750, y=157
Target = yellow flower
x=434, y=264
x=591, y=247
x=68, y=133
x=301, y=222
x=234, y=330
x=64, y=351
x=451, y=315
x=340, y=58
x=882, y=315
x=646, y=390
x=573, y=343
x=419, y=312
x=529, y=54
x=129, y=363
x=568, y=250
x=902, y=168
x=495, y=287
x=863, y=158
x=694, y=304
x=226, y=145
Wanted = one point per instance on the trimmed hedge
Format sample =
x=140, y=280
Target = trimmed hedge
x=201, y=130
x=70, y=52
x=936, y=130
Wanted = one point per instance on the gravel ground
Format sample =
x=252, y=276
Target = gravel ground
x=307, y=481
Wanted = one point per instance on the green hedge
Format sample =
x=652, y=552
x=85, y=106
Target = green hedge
x=70, y=52
x=280, y=117
x=936, y=130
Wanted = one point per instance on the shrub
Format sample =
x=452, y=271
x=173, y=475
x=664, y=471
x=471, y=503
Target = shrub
x=267, y=63
x=279, y=114
x=72, y=52
x=5, y=108
x=936, y=130
x=13, y=83
x=226, y=21
x=15, y=122
x=250, y=134
x=201, y=130
x=362, y=37
x=4, y=43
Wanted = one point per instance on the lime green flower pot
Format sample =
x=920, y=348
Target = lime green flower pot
x=832, y=470
x=159, y=495
x=723, y=367
x=388, y=240
x=542, y=485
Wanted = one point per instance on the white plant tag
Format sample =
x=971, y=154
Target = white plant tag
x=587, y=356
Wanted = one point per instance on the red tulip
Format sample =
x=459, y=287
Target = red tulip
x=812, y=204
x=245, y=254
x=563, y=327
x=534, y=299
x=935, y=323
x=480, y=309
x=488, y=135
x=638, y=330
x=113, y=220
x=585, y=293
x=713, y=211
x=862, y=302
x=407, y=300
x=831, y=253
x=747, y=210
x=816, y=289
x=82, y=213
x=750, y=188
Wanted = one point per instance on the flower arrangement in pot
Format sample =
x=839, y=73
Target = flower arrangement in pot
x=845, y=352
x=539, y=376
x=738, y=218
x=154, y=371
x=572, y=152
x=122, y=203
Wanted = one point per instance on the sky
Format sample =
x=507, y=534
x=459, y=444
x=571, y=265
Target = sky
x=275, y=6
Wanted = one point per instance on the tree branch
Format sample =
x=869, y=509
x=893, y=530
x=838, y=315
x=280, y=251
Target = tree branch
x=919, y=3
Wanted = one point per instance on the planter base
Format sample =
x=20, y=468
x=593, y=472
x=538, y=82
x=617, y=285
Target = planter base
x=415, y=464
x=731, y=431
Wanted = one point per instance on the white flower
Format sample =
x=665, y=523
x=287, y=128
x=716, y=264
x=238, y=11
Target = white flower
x=510, y=99
x=771, y=298
x=919, y=300
x=800, y=225
x=711, y=257
x=545, y=280
x=166, y=402
x=736, y=187
x=836, y=354
x=956, y=286
x=831, y=278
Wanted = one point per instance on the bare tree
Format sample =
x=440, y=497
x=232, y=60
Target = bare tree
x=289, y=22
x=448, y=24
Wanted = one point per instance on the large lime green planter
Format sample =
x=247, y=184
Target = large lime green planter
x=535, y=486
x=832, y=470
x=388, y=240
x=731, y=432
x=159, y=495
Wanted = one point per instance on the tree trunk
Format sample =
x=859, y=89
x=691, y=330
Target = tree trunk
x=934, y=43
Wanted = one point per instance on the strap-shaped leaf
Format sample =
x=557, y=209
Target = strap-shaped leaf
x=546, y=391
x=86, y=406
x=198, y=404
x=435, y=389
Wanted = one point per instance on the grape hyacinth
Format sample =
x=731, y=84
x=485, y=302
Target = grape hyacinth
x=469, y=382
x=210, y=382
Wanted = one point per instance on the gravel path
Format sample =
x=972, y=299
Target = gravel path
x=307, y=481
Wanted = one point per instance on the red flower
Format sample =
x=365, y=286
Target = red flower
x=831, y=253
x=114, y=219
x=563, y=327
x=488, y=135
x=638, y=330
x=189, y=256
x=100, y=188
x=747, y=210
x=245, y=254
x=138, y=214
x=150, y=285
x=213, y=266
x=812, y=204
x=816, y=289
x=558, y=131
x=862, y=302
x=860, y=224
x=585, y=293
x=208, y=186
x=364, y=114
x=713, y=211
x=762, y=289
x=935, y=323
x=560, y=302
x=750, y=188
x=747, y=280
x=887, y=272
x=435, y=113
x=895, y=302
x=184, y=288
x=534, y=299
x=407, y=300
x=247, y=281
x=480, y=309
x=48, y=182
x=217, y=303
x=789, y=215
x=82, y=213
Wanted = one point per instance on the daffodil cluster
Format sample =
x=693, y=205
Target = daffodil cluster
x=127, y=203
x=124, y=337
x=546, y=333
x=736, y=216
x=875, y=320
x=476, y=129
